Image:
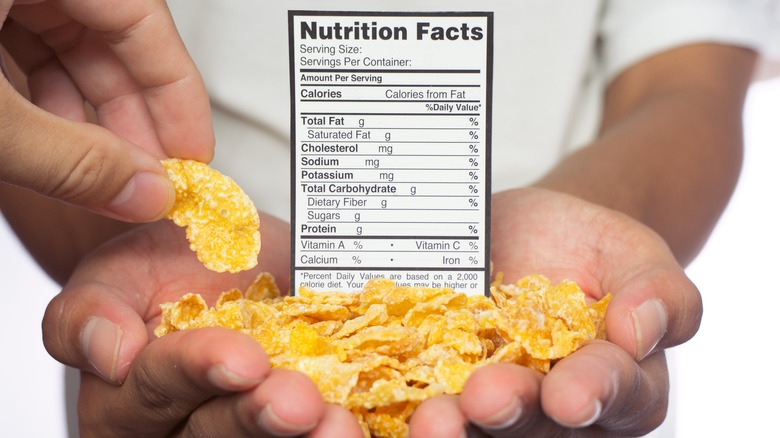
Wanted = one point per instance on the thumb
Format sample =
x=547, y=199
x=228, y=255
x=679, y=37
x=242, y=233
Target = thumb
x=94, y=329
x=652, y=311
x=79, y=163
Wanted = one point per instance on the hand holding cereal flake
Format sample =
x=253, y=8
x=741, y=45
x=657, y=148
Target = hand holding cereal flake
x=382, y=351
x=223, y=226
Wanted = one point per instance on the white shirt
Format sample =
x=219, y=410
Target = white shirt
x=552, y=60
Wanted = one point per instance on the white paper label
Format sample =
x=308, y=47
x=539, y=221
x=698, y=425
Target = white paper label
x=390, y=149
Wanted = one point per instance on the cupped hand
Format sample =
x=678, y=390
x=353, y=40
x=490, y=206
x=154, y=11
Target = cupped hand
x=125, y=61
x=206, y=382
x=616, y=387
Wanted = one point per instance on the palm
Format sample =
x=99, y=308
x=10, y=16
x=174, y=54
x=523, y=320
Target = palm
x=154, y=264
x=207, y=377
x=563, y=237
x=537, y=231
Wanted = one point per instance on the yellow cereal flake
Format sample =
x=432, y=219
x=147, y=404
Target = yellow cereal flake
x=383, y=351
x=223, y=226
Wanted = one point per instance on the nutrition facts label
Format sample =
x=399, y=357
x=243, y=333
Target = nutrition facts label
x=390, y=149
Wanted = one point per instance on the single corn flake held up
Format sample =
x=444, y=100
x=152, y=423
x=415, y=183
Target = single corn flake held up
x=382, y=351
x=223, y=226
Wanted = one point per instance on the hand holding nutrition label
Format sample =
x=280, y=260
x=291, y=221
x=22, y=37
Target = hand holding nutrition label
x=391, y=149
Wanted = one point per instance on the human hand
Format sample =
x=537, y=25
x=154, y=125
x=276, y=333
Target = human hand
x=128, y=63
x=205, y=382
x=613, y=388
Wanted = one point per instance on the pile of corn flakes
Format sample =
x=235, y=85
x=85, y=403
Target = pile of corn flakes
x=382, y=351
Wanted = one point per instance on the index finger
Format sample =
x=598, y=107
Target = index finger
x=144, y=37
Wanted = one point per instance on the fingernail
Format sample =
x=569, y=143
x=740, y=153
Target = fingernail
x=100, y=341
x=589, y=416
x=650, y=322
x=147, y=196
x=269, y=421
x=221, y=377
x=504, y=418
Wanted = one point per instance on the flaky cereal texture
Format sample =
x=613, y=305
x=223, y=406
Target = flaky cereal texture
x=384, y=350
x=223, y=226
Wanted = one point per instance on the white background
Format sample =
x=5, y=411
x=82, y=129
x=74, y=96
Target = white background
x=724, y=379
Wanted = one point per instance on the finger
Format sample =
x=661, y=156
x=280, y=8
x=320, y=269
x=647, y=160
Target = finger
x=173, y=376
x=652, y=309
x=5, y=6
x=52, y=90
x=602, y=386
x=144, y=38
x=94, y=331
x=502, y=399
x=153, y=96
x=48, y=85
x=119, y=102
x=337, y=421
x=438, y=417
x=87, y=64
x=655, y=305
x=79, y=163
x=286, y=403
x=25, y=47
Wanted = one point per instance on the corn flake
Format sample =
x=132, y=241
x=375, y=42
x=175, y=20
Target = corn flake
x=222, y=223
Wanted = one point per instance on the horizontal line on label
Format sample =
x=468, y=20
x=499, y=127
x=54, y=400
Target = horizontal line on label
x=342, y=236
x=390, y=209
x=389, y=114
x=311, y=84
x=400, y=268
x=368, y=70
x=389, y=196
x=389, y=127
x=390, y=101
x=391, y=222
x=304, y=251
